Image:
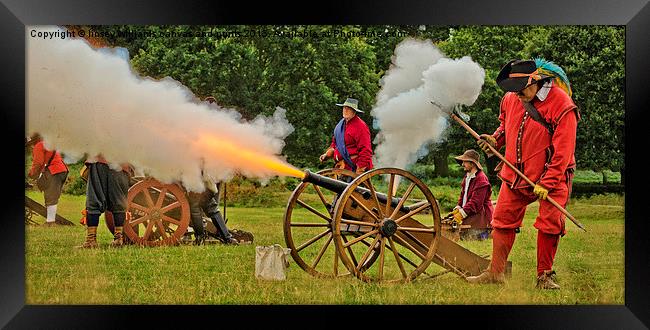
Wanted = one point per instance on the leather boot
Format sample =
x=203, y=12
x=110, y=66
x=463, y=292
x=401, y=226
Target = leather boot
x=224, y=235
x=547, y=280
x=487, y=277
x=91, y=239
x=118, y=237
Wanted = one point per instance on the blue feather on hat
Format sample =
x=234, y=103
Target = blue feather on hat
x=551, y=69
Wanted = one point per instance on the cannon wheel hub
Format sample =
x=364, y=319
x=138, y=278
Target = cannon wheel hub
x=388, y=227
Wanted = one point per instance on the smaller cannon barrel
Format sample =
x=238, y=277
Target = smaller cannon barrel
x=338, y=187
x=325, y=182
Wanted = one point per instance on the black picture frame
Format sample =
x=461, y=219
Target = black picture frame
x=635, y=15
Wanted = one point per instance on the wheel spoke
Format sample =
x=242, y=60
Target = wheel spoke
x=161, y=197
x=322, y=251
x=364, y=207
x=314, y=211
x=170, y=207
x=403, y=257
x=171, y=220
x=367, y=254
x=313, y=239
x=139, y=220
x=403, y=199
x=161, y=228
x=320, y=195
x=420, y=230
x=397, y=257
x=148, y=231
x=374, y=195
x=139, y=207
x=360, y=238
x=147, y=196
x=410, y=247
x=382, y=250
x=389, y=201
x=414, y=212
x=354, y=260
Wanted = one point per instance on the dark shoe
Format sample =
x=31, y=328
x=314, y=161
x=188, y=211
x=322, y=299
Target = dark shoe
x=487, y=277
x=229, y=241
x=547, y=281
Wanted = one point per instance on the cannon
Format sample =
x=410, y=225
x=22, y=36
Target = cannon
x=159, y=214
x=381, y=226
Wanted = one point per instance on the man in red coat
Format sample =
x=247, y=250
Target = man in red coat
x=474, y=206
x=50, y=163
x=538, y=128
x=350, y=146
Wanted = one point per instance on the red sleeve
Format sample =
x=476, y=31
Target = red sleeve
x=364, y=147
x=499, y=134
x=564, y=144
x=475, y=204
x=38, y=159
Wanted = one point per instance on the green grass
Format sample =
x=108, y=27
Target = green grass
x=590, y=267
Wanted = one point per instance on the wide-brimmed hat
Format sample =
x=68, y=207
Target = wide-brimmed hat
x=519, y=74
x=210, y=99
x=471, y=156
x=352, y=103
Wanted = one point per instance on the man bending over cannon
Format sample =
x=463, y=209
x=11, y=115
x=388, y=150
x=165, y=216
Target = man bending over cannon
x=350, y=147
x=208, y=202
x=538, y=128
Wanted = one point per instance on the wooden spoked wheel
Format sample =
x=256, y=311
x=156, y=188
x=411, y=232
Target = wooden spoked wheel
x=160, y=213
x=308, y=230
x=403, y=234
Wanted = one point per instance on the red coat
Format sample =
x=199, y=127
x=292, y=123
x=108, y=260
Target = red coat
x=357, y=141
x=40, y=156
x=478, y=207
x=529, y=145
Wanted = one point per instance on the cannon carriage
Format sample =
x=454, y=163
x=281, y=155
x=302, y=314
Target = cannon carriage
x=159, y=214
x=383, y=225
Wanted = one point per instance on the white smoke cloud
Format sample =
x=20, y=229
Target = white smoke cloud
x=85, y=101
x=407, y=120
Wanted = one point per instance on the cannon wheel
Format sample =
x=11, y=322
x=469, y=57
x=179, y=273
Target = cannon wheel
x=160, y=213
x=406, y=242
x=310, y=241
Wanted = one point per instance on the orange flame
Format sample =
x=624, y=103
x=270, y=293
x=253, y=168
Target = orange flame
x=241, y=155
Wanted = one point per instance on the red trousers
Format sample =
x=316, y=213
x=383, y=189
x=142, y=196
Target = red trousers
x=509, y=214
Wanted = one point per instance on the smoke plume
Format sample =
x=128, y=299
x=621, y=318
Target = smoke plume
x=87, y=101
x=407, y=120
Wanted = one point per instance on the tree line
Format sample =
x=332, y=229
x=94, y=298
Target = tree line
x=307, y=69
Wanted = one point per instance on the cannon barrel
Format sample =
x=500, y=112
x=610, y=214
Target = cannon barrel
x=338, y=187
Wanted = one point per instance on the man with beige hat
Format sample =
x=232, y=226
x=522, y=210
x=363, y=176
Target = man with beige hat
x=474, y=206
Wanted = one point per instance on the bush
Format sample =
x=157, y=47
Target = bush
x=74, y=184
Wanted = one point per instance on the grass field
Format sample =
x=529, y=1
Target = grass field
x=590, y=267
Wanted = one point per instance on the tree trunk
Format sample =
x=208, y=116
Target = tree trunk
x=441, y=167
x=604, y=174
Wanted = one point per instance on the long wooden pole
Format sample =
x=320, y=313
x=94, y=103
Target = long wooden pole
x=494, y=151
